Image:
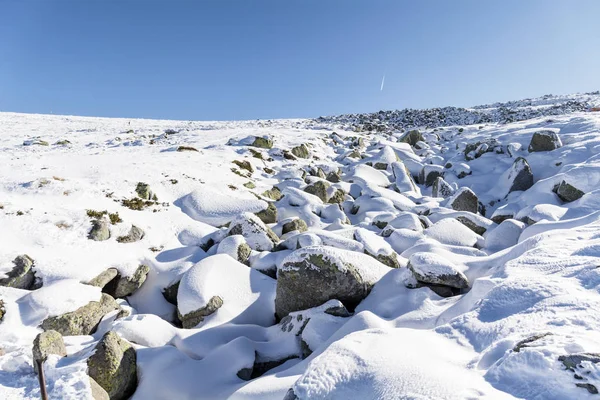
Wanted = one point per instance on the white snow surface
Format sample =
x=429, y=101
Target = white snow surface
x=400, y=342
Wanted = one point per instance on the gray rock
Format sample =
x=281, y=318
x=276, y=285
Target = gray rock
x=126, y=286
x=190, y=320
x=22, y=275
x=46, y=343
x=520, y=175
x=143, y=191
x=263, y=143
x=412, y=137
x=433, y=269
x=464, y=200
x=273, y=194
x=334, y=177
x=170, y=293
x=2, y=310
x=100, y=230
x=98, y=392
x=337, y=197
x=301, y=151
x=269, y=215
x=568, y=193
x=114, y=366
x=258, y=236
x=135, y=235
x=104, y=278
x=314, y=275
x=477, y=149
x=82, y=321
x=572, y=361
x=294, y=225
x=545, y=140
x=525, y=342
x=319, y=189
x=429, y=173
x=441, y=188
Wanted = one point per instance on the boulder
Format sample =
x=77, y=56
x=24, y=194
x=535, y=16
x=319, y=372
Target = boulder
x=125, y=286
x=273, y=194
x=337, y=197
x=464, y=200
x=46, y=343
x=431, y=268
x=567, y=192
x=235, y=246
x=520, y=176
x=82, y=321
x=294, y=225
x=310, y=276
x=262, y=142
x=429, y=173
x=545, y=140
x=268, y=215
x=135, y=235
x=441, y=188
x=21, y=276
x=319, y=189
x=477, y=149
x=114, y=366
x=143, y=191
x=412, y=137
x=301, y=151
x=334, y=177
x=258, y=236
x=100, y=230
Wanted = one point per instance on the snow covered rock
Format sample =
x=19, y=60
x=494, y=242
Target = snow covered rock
x=567, y=192
x=545, y=140
x=412, y=137
x=430, y=173
x=464, y=200
x=452, y=232
x=82, y=321
x=310, y=276
x=100, y=230
x=220, y=289
x=143, y=191
x=377, y=247
x=319, y=189
x=235, y=246
x=364, y=175
x=296, y=224
x=301, y=151
x=477, y=149
x=217, y=207
x=403, y=179
x=123, y=286
x=517, y=178
x=104, y=278
x=441, y=188
x=504, y=235
x=114, y=366
x=21, y=276
x=135, y=234
x=269, y=215
x=430, y=268
x=258, y=236
x=262, y=142
x=46, y=343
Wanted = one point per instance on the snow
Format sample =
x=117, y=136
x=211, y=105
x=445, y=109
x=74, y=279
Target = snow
x=534, y=273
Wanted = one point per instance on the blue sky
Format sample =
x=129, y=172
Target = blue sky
x=213, y=60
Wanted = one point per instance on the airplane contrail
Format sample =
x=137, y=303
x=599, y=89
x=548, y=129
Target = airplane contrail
x=382, y=82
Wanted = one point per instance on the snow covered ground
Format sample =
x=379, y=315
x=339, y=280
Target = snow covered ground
x=369, y=272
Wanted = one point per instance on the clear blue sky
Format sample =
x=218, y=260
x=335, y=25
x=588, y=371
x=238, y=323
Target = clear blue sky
x=212, y=60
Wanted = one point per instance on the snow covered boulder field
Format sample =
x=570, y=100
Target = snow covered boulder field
x=417, y=254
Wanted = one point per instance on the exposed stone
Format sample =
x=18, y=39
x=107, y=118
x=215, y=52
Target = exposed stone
x=22, y=275
x=269, y=215
x=525, y=342
x=143, y=191
x=319, y=189
x=301, y=151
x=82, y=321
x=190, y=320
x=135, y=235
x=104, y=278
x=263, y=143
x=258, y=236
x=2, y=310
x=170, y=293
x=100, y=230
x=464, y=200
x=477, y=149
x=520, y=175
x=46, y=343
x=412, y=137
x=441, y=188
x=334, y=177
x=98, y=392
x=430, y=268
x=114, y=366
x=274, y=194
x=572, y=361
x=294, y=225
x=337, y=197
x=126, y=286
x=429, y=173
x=545, y=140
x=472, y=225
x=245, y=164
x=568, y=193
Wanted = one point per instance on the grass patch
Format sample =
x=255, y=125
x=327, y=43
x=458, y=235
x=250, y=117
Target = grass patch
x=136, y=203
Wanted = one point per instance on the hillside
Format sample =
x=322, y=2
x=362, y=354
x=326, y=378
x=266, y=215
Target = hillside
x=448, y=253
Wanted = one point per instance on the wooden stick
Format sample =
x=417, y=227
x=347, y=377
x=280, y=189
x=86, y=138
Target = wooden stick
x=42, y=379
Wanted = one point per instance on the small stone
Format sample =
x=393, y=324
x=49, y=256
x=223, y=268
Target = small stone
x=135, y=235
x=143, y=191
x=273, y=194
x=429, y=173
x=337, y=197
x=126, y=286
x=333, y=177
x=104, y=278
x=520, y=175
x=294, y=225
x=244, y=165
x=100, y=230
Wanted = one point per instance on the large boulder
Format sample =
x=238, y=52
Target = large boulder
x=310, y=276
x=412, y=137
x=100, y=230
x=98, y=392
x=258, y=236
x=567, y=192
x=124, y=286
x=114, y=366
x=464, y=200
x=21, y=276
x=46, y=343
x=319, y=189
x=545, y=140
x=82, y=321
